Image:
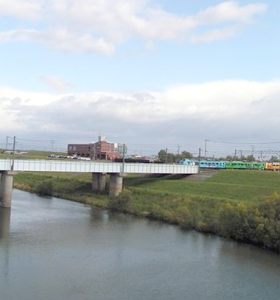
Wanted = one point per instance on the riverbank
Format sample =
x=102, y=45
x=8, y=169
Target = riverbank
x=59, y=249
x=241, y=205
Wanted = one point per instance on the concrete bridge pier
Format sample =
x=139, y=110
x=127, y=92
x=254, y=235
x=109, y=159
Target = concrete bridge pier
x=6, y=188
x=116, y=184
x=99, y=182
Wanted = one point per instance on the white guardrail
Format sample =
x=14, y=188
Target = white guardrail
x=94, y=167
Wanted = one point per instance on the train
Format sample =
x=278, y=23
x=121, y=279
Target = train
x=212, y=164
x=143, y=160
x=240, y=165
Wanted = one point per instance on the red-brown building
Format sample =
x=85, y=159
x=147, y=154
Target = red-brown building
x=99, y=150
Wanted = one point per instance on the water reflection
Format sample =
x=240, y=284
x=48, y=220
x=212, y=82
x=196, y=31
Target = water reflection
x=98, y=216
x=5, y=220
x=249, y=255
x=104, y=217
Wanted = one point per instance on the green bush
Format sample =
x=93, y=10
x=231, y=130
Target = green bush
x=122, y=203
x=44, y=188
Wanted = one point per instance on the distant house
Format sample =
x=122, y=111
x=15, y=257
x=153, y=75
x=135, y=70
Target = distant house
x=99, y=150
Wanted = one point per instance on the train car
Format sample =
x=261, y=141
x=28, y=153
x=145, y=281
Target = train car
x=272, y=166
x=245, y=165
x=204, y=164
x=212, y=164
x=258, y=165
x=235, y=165
x=188, y=162
x=218, y=164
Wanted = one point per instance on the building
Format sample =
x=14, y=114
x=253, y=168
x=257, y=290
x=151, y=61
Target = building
x=99, y=150
x=79, y=150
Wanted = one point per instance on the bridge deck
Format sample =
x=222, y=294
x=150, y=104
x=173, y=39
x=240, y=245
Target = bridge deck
x=94, y=167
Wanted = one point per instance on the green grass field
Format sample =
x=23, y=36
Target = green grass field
x=32, y=154
x=239, y=185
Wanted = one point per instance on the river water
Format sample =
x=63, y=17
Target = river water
x=57, y=249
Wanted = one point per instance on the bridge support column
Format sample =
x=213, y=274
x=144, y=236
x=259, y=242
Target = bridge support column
x=6, y=187
x=99, y=182
x=116, y=184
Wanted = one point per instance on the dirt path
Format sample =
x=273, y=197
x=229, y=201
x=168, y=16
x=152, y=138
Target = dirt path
x=203, y=175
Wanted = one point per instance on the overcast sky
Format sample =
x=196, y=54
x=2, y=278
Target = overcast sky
x=150, y=73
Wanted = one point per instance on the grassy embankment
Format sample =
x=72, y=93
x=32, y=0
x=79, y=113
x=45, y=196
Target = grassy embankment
x=32, y=154
x=242, y=205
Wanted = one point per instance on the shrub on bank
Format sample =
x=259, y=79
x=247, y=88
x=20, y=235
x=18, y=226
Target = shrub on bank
x=255, y=221
x=122, y=203
x=44, y=188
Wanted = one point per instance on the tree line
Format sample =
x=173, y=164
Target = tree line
x=167, y=157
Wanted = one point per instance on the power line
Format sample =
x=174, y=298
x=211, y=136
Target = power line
x=244, y=143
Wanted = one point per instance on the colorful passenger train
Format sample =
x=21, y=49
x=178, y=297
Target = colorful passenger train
x=217, y=164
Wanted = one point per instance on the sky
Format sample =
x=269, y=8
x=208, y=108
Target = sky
x=149, y=73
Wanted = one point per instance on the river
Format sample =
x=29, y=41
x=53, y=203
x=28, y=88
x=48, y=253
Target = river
x=54, y=249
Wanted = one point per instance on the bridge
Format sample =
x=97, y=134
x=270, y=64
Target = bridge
x=99, y=170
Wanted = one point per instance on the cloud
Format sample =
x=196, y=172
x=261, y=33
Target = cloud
x=215, y=35
x=217, y=110
x=60, y=39
x=56, y=83
x=23, y=9
x=230, y=11
x=101, y=26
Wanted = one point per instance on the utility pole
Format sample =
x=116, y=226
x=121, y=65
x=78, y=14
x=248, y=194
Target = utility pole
x=13, y=157
x=178, y=149
x=241, y=154
x=123, y=157
x=166, y=151
x=253, y=149
x=7, y=142
x=235, y=153
x=205, y=148
x=52, y=145
x=199, y=158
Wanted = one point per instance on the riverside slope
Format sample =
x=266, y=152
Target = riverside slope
x=241, y=205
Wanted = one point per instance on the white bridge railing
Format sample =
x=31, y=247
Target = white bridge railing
x=93, y=167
